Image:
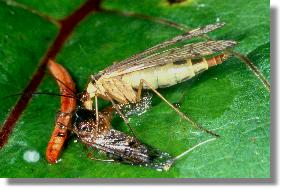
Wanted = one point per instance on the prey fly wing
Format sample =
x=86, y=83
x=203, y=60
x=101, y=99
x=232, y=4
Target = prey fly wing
x=124, y=148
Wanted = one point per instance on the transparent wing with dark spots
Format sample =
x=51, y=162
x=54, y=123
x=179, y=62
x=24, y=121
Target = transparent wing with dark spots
x=160, y=48
x=188, y=51
x=185, y=36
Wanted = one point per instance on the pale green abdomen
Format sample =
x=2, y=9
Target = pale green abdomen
x=167, y=75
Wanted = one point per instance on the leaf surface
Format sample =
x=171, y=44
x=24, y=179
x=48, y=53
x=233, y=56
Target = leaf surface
x=228, y=99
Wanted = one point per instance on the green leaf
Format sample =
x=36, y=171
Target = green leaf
x=228, y=99
x=53, y=8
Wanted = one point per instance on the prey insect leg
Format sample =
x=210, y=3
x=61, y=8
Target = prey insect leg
x=194, y=124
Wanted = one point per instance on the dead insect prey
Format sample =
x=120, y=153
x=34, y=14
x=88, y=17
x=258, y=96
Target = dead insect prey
x=117, y=145
x=157, y=67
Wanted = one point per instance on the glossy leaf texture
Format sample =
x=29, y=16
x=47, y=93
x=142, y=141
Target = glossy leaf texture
x=228, y=99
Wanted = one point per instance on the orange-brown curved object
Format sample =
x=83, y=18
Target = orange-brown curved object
x=216, y=60
x=63, y=120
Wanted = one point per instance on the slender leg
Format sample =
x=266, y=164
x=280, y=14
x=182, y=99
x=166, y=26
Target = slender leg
x=192, y=148
x=96, y=109
x=121, y=114
x=194, y=124
x=140, y=87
